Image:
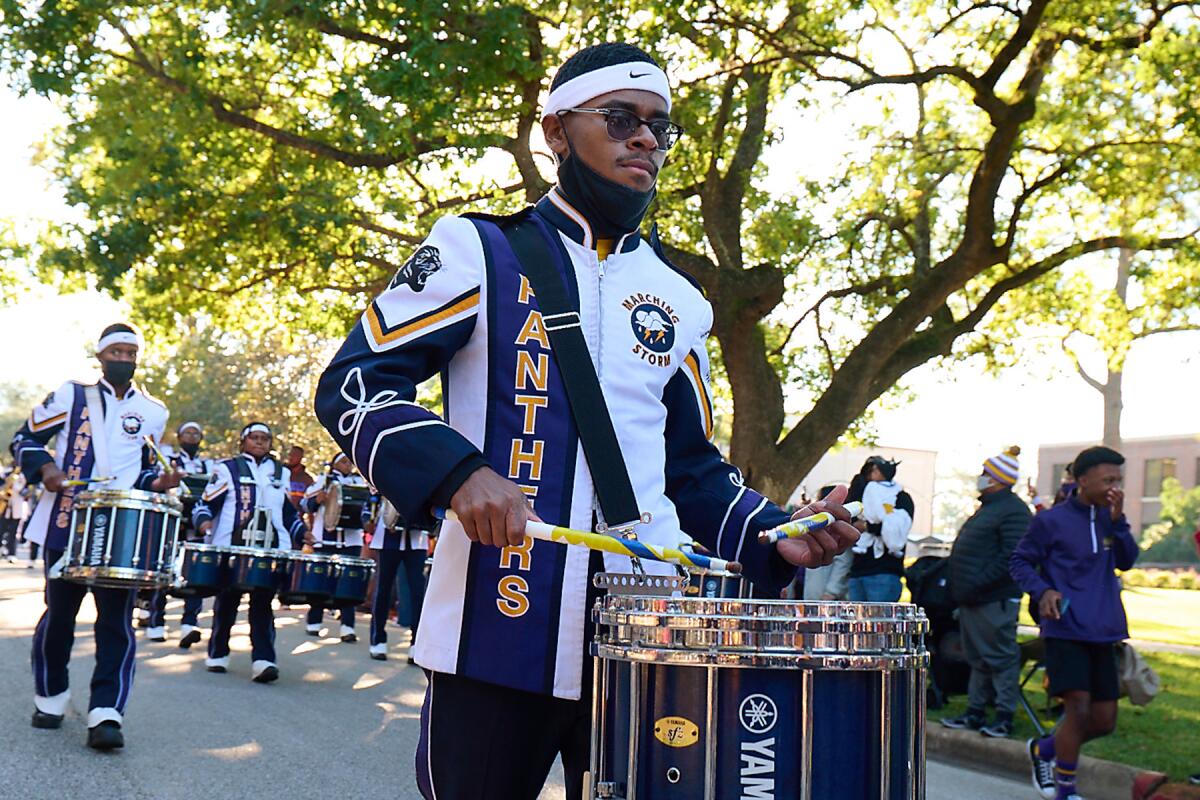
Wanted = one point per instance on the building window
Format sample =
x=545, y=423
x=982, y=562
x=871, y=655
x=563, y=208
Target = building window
x=1056, y=476
x=1157, y=470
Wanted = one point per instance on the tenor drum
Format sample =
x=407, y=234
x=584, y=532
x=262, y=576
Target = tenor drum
x=203, y=570
x=254, y=568
x=352, y=576
x=718, y=698
x=311, y=579
x=122, y=538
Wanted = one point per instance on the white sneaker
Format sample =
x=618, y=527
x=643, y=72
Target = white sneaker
x=348, y=634
x=379, y=651
x=217, y=664
x=313, y=629
x=264, y=671
x=158, y=634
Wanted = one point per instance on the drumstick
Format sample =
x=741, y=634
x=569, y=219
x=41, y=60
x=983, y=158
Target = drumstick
x=87, y=481
x=799, y=527
x=611, y=544
x=162, y=460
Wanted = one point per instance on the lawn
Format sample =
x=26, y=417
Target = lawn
x=1164, y=615
x=1161, y=736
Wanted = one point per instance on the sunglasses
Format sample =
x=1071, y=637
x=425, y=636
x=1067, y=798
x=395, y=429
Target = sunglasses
x=624, y=124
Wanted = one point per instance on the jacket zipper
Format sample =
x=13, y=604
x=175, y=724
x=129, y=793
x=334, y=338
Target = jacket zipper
x=1093, y=516
x=596, y=511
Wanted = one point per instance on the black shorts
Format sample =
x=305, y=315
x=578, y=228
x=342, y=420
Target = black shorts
x=1075, y=666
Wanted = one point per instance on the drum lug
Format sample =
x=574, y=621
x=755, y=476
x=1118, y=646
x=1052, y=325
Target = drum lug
x=607, y=790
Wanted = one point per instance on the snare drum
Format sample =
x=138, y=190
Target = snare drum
x=203, y=570
x=352, y=576
x=253, y=568
x=122, y=538
x=718, y=698
x=311, y=579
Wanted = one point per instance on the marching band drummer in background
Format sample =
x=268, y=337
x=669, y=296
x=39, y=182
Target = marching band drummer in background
x=340, y=541
x=393, y=547
x=186, y=459
x=69, y=417
x=245, y=504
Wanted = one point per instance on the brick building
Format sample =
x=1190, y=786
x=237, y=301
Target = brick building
x=1148, y=462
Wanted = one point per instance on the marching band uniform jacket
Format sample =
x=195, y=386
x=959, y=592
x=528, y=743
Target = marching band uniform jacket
x=64, y=417
x=238, y=486
x=461, y=306
x=199, y=465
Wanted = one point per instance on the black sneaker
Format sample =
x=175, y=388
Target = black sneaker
x=1001, y=728
x=267, y=675
x=969, y=721
x=106, y=736
x=1043, y=771
x=46, y=721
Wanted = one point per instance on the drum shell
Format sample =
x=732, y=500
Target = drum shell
x=717, y=716
x=204, y=570
x=122, y=539
x=311, y=579
x=253, y=568
x=353, y=575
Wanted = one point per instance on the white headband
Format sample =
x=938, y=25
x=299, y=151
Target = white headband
x=118, y=337
x=255, y=427
x=632, y=75
x=188, y=425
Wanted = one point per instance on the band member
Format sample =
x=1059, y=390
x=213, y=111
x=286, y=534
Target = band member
x=187, y=460
x=337, y=540
x=13, y=508
x=97, y=431
x=504, y=626
x=395, y=545
x=245, y=504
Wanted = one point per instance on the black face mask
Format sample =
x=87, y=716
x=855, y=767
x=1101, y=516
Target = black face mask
x=118, y=373
x=613, y=209
x=190, y=448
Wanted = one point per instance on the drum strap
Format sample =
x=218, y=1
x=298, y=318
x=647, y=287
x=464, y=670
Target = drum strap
x=260, y=494
x=95, y=407
x=542, y=263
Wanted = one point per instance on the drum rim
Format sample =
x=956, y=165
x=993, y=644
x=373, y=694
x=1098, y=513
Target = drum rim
x=798, y=625
x=357, y=561
x=126, y=575
x=203, y=547
x=910, y=610
x=832, y=662
x=129, y=499
x=316, y=558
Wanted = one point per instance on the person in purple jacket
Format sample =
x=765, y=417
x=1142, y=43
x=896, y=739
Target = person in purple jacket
x=1067, y=561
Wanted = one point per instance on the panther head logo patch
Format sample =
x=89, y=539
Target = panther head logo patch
x=416, y=271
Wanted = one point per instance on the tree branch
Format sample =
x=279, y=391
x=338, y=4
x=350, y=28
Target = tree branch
x=1083, y=373
x=1130, y=41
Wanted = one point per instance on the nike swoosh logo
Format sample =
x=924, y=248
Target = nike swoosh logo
x=639, y=75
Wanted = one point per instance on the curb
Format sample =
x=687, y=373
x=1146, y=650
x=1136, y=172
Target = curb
x=1098, y=779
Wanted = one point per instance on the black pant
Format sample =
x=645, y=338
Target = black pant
x=262, y=623
x=480, y=741
x=390, y=562
x=116, y=643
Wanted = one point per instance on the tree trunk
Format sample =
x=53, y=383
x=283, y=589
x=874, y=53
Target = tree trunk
x=1114, y=402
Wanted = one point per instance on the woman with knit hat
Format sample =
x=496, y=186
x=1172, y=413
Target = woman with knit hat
x=988, y=598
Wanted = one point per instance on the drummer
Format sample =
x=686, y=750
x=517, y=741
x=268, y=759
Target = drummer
x=395, y=545
x=504, y=631
x=334, y=541
x=187, y=460
x=245, y=504
x=68, y=420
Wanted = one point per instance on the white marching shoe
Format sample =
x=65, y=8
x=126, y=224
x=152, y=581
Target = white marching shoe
x=348, y=634
x=379, y=651
x=264, y=671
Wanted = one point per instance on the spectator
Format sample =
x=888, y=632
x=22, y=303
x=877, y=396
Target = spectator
x=1067, y=563
x=831, y=581
x=1066, y=486
x=879, y=554
x=300, y=480
x=988, y=599
x=12, y=510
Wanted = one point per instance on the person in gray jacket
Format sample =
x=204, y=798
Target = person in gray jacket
x=988, y=598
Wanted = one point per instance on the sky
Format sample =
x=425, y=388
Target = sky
x=963, y=414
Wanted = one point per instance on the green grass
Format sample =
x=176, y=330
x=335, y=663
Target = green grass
x=1163, y=615
x=1162, y=736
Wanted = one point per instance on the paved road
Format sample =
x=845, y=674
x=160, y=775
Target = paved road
x=336, y=723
